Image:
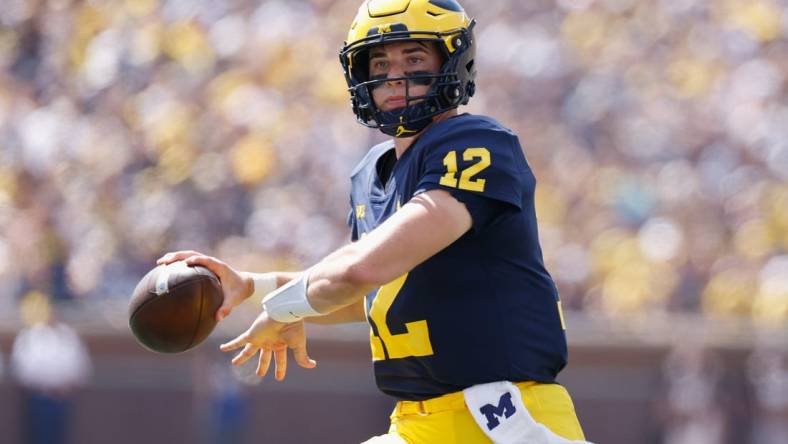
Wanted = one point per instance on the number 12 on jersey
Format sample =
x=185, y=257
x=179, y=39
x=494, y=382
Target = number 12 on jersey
x=414, y=342
x=467, y=181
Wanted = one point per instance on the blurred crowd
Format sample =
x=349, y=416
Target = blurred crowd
x=658, y=132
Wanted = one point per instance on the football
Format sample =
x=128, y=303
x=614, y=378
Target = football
x=173, y=307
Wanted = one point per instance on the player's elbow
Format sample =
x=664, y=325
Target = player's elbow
x=363, y=269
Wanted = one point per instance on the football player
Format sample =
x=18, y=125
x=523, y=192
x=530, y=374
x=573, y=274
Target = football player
x=466, y=328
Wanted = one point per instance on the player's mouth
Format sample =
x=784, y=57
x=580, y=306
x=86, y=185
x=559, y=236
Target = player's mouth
x=394, y=102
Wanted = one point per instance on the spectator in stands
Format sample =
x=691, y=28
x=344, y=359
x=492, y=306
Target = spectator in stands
x=50, y=362
x=693, y=411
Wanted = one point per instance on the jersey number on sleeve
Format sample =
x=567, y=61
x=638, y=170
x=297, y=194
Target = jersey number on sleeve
x=414, y=342
x=466, y=182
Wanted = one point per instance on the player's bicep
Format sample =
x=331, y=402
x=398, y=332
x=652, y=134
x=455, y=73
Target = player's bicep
x=486, y=172
x=425, y=225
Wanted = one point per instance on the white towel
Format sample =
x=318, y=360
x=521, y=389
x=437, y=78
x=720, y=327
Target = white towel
x=499, y=410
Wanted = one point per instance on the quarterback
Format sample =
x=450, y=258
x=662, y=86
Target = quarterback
x=466, y=329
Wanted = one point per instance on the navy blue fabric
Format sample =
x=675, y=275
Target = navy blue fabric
x=491, y=306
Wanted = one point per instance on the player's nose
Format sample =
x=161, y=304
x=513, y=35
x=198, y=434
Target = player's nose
x=396, y=73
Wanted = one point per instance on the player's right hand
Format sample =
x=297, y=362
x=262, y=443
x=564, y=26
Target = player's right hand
x=235, y=286
x=271, y=338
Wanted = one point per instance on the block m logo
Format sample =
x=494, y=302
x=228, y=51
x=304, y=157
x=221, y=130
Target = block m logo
x=504, y=408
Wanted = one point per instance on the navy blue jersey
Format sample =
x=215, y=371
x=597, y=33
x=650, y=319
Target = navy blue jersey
x=483, y=309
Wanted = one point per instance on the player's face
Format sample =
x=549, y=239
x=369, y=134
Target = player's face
x=401, y=59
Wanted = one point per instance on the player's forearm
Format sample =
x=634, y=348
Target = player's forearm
x=351, y=313
x=335, y=291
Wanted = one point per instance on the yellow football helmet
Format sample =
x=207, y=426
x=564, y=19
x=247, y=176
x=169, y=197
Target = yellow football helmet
x=384, y=21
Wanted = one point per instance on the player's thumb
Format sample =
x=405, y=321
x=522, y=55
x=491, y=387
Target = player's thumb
x=223, y=312
x=302, y=358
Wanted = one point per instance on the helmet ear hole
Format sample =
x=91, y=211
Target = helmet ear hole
x=469, y=67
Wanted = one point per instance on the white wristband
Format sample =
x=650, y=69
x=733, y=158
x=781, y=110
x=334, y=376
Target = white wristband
x=264, y=283
x=289, y=302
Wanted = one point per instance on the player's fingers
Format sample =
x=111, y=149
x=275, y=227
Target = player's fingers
x=302, y=358
x=235, y=344
x=223, y=312
x=175, y=256
x=219, y=268
x=208, y=262
x=264, y=362
x=280, y=362
x=245, y=354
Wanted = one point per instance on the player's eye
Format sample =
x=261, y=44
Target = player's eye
x=415, y=60
x=380, y=65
